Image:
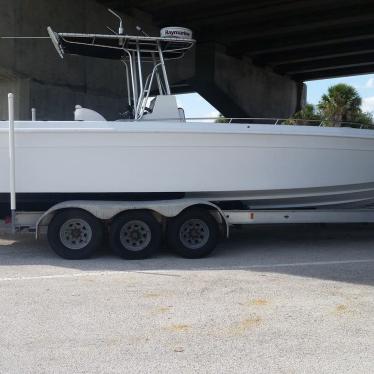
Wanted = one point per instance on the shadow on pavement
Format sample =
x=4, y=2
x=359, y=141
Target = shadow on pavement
x=343, y=253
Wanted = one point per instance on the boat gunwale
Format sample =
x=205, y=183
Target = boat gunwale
x=206, y=128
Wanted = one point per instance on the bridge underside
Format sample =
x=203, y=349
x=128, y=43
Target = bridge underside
x=251, y=58
x=300, y=39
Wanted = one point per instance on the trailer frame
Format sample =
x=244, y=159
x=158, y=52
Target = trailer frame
x=37, y=222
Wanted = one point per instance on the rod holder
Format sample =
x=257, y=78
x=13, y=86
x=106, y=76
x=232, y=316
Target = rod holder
x=33, y=114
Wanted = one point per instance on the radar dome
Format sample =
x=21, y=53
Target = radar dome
x=176, y=33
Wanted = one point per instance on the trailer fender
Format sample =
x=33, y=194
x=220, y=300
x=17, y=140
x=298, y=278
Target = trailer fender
x=106, y=210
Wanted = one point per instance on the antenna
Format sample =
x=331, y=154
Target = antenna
x=121, y=30
x=138, y=28
x=111, y=30
x=24, y=37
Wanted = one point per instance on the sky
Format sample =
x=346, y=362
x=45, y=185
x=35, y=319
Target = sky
x=195, y=106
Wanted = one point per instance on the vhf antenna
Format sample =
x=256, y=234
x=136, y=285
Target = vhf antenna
x=121, y=30
x=138, y=28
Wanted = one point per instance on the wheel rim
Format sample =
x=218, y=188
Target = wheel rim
x=135, y=235
x=75, y=234
x=194, y=234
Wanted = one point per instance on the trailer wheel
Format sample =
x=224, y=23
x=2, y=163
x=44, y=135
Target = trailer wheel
x=135, y=235
x=193, y=234
x=75, y=234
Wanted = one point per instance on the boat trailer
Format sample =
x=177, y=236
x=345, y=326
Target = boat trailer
x=192, y=227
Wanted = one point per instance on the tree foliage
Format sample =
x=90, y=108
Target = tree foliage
x=364, y=118
x=221, y=119
x=305, y=116
x=340, y=104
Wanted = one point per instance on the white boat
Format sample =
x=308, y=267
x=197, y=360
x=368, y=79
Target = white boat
x=155, y=154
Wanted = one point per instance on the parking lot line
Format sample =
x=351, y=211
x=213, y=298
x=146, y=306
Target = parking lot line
x=119, y=272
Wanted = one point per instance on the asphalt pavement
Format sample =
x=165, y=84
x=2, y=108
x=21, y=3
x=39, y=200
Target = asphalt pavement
x=274, y=299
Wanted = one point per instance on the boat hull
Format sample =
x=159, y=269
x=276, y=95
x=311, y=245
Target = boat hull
x=264, y=166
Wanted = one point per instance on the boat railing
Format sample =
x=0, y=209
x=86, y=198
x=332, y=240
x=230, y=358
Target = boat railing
x=295, y=122
x=270, y=121
x=251, y=120
x=283, y=121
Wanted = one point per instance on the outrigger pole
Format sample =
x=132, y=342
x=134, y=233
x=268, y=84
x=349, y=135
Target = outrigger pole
x=12, y=162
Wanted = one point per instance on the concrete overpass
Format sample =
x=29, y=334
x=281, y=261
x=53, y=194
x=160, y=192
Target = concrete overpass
x=251, y=59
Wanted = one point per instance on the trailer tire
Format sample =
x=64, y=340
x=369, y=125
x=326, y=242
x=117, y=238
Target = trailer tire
x=75, y=234
x=193, y=233
x=135, y=235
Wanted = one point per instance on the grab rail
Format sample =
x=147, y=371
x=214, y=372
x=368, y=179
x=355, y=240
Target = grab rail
x=287, y=121
x=264, y=121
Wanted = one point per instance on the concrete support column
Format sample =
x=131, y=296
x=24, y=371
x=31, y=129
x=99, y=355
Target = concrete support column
x=237, y=88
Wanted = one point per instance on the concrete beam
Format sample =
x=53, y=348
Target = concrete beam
x=334, y=73
x=302, y=40
x=315, y=53
x=292, y=27
x=326, y=64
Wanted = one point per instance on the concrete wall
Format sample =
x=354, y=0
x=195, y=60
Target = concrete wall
x=34, y=71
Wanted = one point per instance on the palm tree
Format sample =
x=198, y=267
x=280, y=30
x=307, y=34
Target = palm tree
x=306, y=116
x=341, y=103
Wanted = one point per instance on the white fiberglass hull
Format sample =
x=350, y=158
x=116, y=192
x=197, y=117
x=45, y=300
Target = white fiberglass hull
x=266, y=166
